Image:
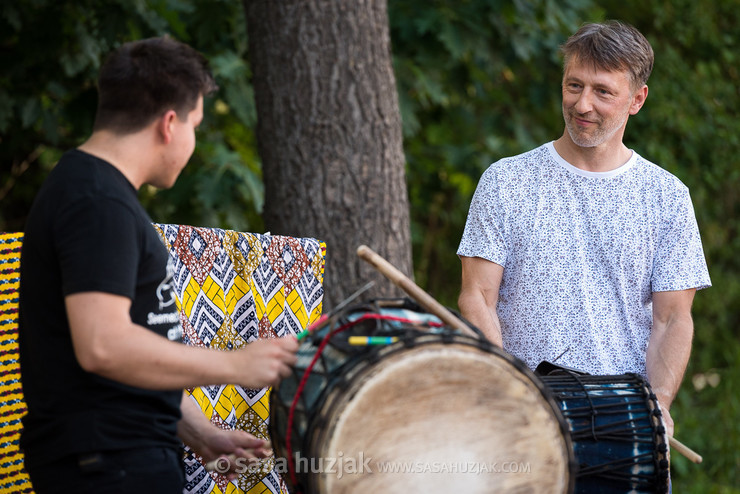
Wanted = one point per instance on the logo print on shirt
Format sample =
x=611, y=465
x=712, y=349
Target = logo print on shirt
x=165, y=290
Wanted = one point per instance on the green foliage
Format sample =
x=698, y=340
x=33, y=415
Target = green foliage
x=477, y=81
x=689, y=126
x=480, y=81
x=706, y=412
x=51, y=56
x=222, y=185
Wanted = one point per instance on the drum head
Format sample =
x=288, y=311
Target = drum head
x=442, y=417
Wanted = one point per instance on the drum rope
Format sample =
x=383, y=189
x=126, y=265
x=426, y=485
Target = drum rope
x=608, y=467
x=582, y=398
x=590, y=402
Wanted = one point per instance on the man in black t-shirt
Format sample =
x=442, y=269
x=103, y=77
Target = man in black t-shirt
x=103, y=367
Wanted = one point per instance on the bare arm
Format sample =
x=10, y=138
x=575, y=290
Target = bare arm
x=669, y=346
x=481, y=280
x=108, y=343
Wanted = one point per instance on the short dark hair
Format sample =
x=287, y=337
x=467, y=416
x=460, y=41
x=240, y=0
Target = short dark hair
x=612, y=45
x=142, y=79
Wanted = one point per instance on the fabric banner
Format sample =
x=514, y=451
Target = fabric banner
x=13, y=478
x=233, y=288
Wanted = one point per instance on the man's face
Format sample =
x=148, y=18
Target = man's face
x=181, y=147
x=596, y=104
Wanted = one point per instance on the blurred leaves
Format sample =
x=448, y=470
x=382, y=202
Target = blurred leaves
x=477, y=81
x=51, y=52
x=480, y=80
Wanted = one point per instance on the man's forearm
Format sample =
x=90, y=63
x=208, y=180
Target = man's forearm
x=193, y=424
x=210, y=441
x=108, y=343
x=473, y=307
x=478, y=299
x=668, y=355
x=144, y=359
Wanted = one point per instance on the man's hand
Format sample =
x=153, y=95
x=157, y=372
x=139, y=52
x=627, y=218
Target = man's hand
x=231, y=452
x=266, y=362
x=667, y=420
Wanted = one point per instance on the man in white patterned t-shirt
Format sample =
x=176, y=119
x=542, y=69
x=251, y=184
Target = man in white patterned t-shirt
x=580, y=250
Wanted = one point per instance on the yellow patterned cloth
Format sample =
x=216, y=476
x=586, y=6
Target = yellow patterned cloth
x=13, y=478
x=233, y=288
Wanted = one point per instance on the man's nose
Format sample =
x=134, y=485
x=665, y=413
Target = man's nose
x=584, y=104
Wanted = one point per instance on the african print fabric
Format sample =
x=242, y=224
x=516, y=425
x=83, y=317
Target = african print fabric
x=13, y=478
x=233, y=288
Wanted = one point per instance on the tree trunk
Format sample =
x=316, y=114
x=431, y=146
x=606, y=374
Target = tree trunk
x=329, y=134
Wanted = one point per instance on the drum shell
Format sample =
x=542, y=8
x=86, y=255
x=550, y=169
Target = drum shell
x=616, y=430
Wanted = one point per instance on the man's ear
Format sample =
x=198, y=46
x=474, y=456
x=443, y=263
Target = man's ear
x=638, y=99
x=165, y=125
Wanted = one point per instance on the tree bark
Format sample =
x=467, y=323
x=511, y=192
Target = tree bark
x=329, y=134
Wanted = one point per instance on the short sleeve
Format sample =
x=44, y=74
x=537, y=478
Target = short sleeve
x=96, y=240
x=679, y=261
x=483, y=235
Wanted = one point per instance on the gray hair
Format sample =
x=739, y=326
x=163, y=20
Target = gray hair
x=611, y=46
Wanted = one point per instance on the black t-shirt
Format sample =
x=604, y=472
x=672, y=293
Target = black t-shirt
x=86, y=231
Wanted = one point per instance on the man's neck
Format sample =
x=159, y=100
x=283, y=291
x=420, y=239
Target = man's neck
x=602, y=158
x=123, y=152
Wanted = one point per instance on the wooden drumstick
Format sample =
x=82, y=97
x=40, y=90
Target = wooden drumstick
x=684, y=450
x=405, y=283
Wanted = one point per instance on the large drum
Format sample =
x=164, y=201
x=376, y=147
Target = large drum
x=617, y=432
x=386, y=399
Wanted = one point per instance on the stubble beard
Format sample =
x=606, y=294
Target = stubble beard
x=601, y=134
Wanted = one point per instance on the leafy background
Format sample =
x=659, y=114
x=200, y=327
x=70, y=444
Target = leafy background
x=477, y=81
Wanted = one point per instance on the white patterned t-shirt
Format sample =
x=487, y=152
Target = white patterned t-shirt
x=582, y=253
